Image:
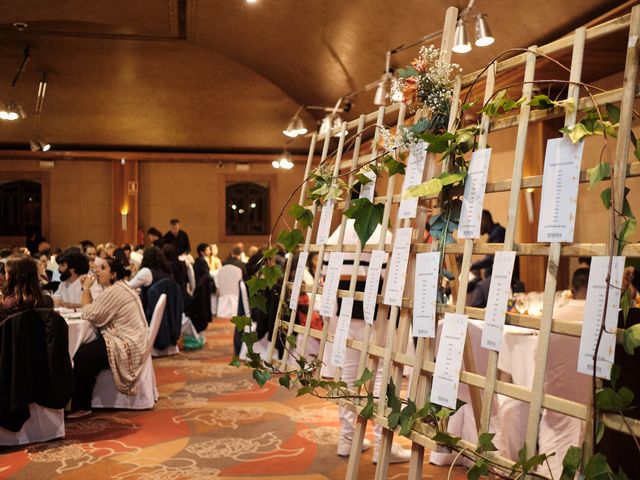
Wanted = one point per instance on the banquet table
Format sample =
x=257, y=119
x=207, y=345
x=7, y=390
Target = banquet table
x=80, y=331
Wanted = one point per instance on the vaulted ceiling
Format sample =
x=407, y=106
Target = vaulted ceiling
x=224, y=75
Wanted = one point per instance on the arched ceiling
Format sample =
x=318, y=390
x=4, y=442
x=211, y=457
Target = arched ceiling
x=224, y=75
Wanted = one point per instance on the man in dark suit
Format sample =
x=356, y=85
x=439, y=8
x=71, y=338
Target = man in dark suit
x=235, y=259
x=177, y=238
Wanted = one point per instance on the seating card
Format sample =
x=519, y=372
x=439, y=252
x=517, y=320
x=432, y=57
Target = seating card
x=297, y=280
x=593, y=310
x=446, y=376
x=425, y=294
x=398, y=268
x=324, y=226
x=331, y=280
x=559, y=190
x=474, y=187
x=496, y=309
x=342, y=332
x=378, y=257
x=413, y=176
x=368, y=190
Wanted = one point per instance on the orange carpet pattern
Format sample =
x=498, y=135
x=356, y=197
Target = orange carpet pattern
x=212, y=421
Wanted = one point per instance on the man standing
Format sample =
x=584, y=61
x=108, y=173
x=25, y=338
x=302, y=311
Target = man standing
x=177, y=238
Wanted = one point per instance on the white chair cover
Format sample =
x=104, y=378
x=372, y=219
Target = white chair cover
x=45, y=424
x=105, y=393
x=229, y=277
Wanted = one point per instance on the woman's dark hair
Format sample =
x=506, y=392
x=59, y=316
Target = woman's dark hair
x=170, y=253
x=310, y=258
x=116, y=266
x=24, y=282
x=74, y=258
x=201, y=248
x=254, y=263
x=126, y=247
x=120, y=255
x=154, y=259
x=154, y=231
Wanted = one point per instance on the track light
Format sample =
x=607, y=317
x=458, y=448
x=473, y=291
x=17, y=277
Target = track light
x=380, y=97
x=462, y=43
x=37, y=144
x=12, y=111
x=331, y=122
x=284, y=162
x=483, y=32
x=295, y=127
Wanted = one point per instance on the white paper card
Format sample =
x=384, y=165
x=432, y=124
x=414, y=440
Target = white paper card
x=342, y=332
x=495, y=312
x=324, y=226
x=425, y=294
x=559, y=190
x=378, y=257
x=474, y=187
x=331, y=280
x=446, y=376
x=593, y=310
x=413, y=176
x=368, y=190
x=297, y=280
x=398, y=268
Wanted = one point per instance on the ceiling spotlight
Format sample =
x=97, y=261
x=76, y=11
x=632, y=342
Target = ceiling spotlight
x=284, y=162
x=12, y=111
x=37, y=144
x=295, y=127
x=483, y=32
x=462, y=43
x=380, y=98
x=337, y=126
x=252, y=1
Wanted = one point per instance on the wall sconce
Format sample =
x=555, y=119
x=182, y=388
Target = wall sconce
x=528, y=198
x=123, y=216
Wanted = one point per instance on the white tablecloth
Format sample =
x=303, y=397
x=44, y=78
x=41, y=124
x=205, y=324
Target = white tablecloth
x=80, y=331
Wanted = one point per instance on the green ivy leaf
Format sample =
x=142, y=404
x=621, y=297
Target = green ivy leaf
x=270, y=252
x=302, y=215
x=430, y=188
x=599, y=431
x=636, y=145
x=241, y=322
x=485, y=443
x=367, y=216
x=292, y=340
x=571, y=463
x=363, y=179
x=451, y=178
x=290, y=239
x=598, y=173
x=250, y=338
x=367, y=411
x=597, y=467
x=256, y=285
x=479, y=469
x=366, y=376
x=392, y=165
x=614, y=112
x=631, y=338
x=615, y=375
x=259, y=302
x=625, y=304
x=272, y=274
x=605, y=196
x=542, y=102
x=235, y=361
x=285, y=381
x=446, y=439
x=627, y=229
x=609, y=400
x=394, y=420
x=577, y=132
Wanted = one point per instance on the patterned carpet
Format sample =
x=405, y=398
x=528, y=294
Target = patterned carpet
x=212, y=420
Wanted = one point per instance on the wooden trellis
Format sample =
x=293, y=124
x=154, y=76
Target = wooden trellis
x=384, y=342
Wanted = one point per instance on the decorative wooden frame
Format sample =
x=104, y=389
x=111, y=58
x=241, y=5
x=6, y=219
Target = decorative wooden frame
x=391, y=328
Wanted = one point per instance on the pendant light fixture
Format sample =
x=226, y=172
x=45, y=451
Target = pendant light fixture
x=461, y=42
x=484, y=36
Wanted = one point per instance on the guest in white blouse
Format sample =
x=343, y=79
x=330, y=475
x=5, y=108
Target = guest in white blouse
x=573, y=310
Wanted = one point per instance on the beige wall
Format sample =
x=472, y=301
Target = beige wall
x=79, y=199
x=195, y=193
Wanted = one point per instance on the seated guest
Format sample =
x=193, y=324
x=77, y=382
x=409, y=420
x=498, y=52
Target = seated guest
x=122, y=341
x=213, y=260
x=573, y=310
x=201, y=267
x=154, y=236
x=120, y=254
x=71, y=265
x=21, y=286
x=235, y=258
x=154, y=267
x=178, y=269
x=108, y=249
x=89, y=249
